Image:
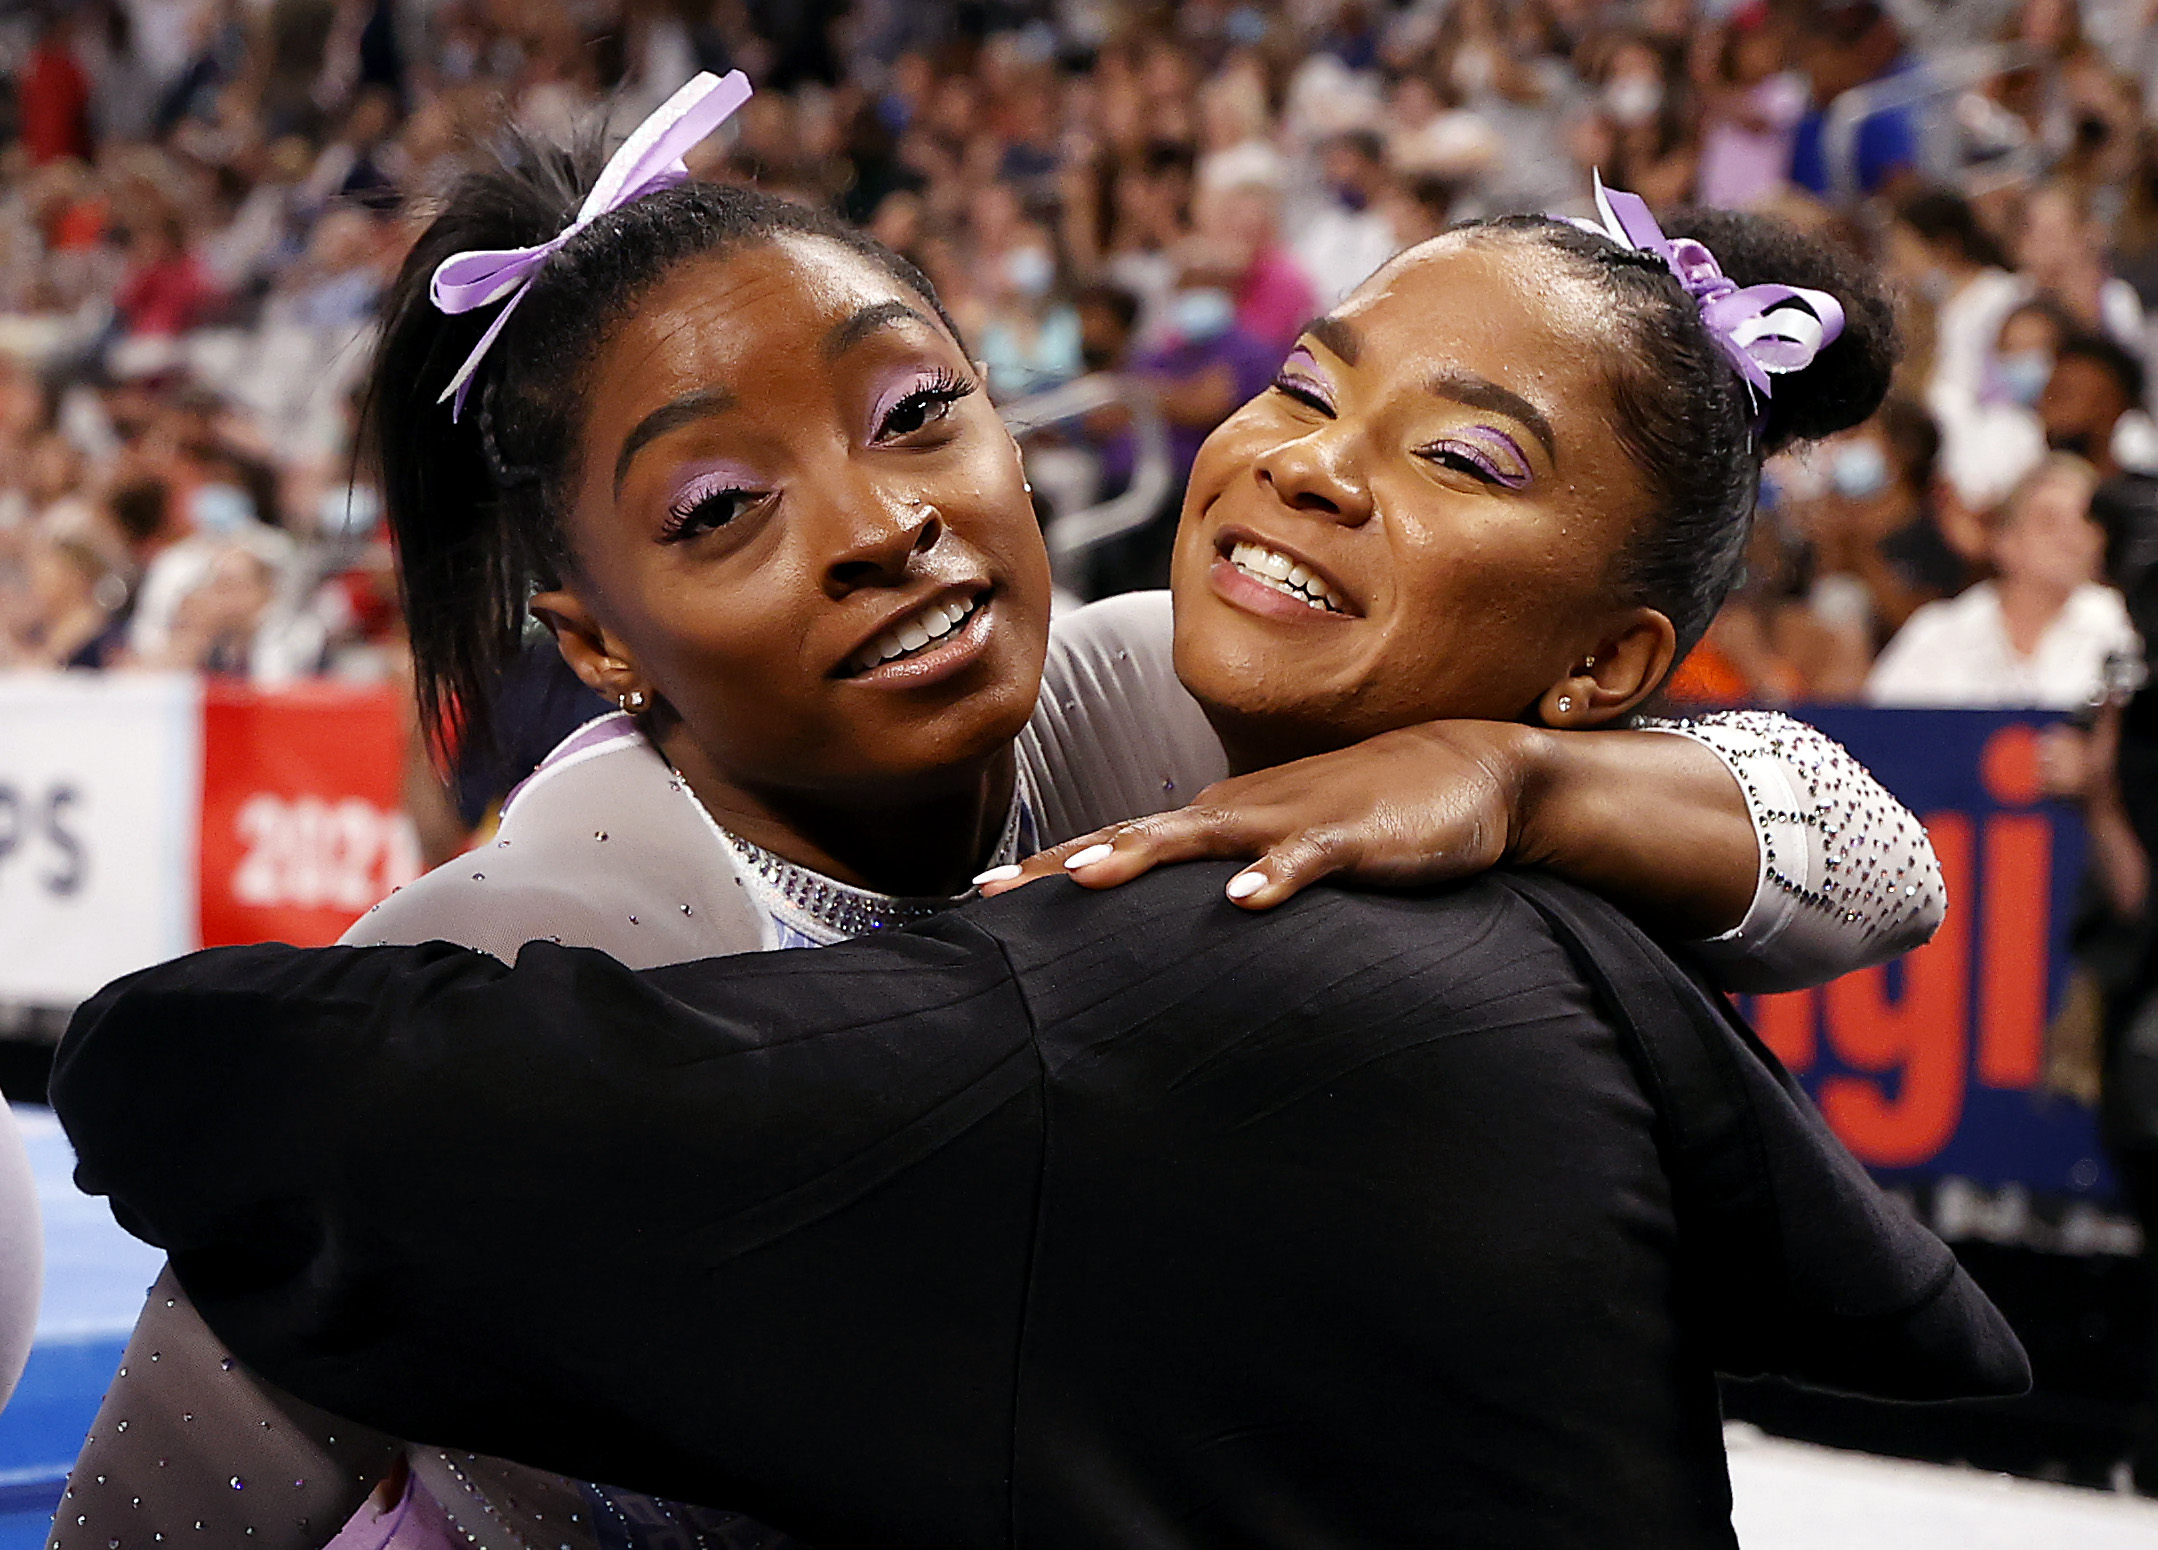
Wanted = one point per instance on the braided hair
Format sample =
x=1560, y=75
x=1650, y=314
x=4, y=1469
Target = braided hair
x=476, y=504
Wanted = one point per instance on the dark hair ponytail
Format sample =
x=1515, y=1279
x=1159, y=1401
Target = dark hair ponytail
x=476, y=504
x=1685, y=415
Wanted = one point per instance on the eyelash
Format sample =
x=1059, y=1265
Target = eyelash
x=943, y=389
x=1469, y=461
x=1303, y=391
x=683, y=514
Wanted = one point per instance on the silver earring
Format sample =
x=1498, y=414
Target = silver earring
x=1027, y=485
x=1566, y=705
x=634, y=702
x=1588, y=664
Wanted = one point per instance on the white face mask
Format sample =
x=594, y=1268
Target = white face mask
x=1633, y=100
x=1202, y=314
x=2023, y=375
x=348, y=511
x=221, y=509
x=1029, y=271
x=1859, y=471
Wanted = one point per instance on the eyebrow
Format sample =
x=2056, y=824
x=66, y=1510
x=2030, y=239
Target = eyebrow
x=1465, y=387
x=849, y=332
x=686, y=410
x=1337, y=335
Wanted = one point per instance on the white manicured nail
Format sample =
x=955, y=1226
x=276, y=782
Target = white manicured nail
x=1089, y=856
x=1245, y=884
x=997, y=874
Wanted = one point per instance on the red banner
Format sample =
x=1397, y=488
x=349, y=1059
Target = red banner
x=302, y=811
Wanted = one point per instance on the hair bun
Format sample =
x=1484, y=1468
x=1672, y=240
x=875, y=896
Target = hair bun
x=1849, y=378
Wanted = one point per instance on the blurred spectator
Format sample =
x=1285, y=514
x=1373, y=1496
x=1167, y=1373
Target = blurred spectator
x=2040, y=632
x=1878, y=549
x=1754, y=104
x=204, y=200
x=1846, y=47
x=166, y=290
x=2089, y=406
x=53, y=95
x=74, y=595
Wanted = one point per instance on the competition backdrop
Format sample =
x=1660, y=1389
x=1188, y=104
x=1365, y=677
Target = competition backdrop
x=143, y=815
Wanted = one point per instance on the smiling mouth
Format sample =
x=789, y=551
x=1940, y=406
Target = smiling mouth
x=1291, y=578
x=918, y=634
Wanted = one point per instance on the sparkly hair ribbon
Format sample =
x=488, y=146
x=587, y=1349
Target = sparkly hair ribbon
x=649, y=160
x=1764, y=329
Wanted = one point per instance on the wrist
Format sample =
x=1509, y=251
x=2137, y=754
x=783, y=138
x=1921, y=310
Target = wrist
x=1539, y=768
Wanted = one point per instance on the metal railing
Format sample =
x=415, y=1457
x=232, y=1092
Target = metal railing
x=1924, y=83
x=1071, y=534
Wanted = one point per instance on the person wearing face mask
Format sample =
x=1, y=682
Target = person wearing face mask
x=1638, y=131
x=2040, y=632
x=1029, y=338
x=1340, y=233
x=1455, y=395
x=1876, y=540
x=2092, y=403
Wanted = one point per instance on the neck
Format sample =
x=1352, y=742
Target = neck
x=2028, y=609
x=921, y=845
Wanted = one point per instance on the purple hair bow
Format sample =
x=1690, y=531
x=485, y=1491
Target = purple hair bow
x=649, y=160
x=1759, y=327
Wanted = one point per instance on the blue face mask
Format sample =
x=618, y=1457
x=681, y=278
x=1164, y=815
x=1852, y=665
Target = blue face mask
x=1030, y=272
x=1859, y=471
x=348, y=511
x=1202, y=314
x=221, y=509
x=2023, y=375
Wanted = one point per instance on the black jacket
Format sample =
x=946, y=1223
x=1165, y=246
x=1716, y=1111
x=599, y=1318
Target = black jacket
x=1068, y=1219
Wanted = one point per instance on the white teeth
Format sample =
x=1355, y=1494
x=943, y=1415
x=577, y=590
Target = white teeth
x=912, y=634
x=1286, y=576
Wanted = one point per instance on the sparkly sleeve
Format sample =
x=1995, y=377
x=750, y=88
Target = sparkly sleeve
x=1848, y=878
x=190, y=1448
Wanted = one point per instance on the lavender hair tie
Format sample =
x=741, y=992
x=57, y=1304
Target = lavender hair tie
x=1764, y=329
x=649, y=160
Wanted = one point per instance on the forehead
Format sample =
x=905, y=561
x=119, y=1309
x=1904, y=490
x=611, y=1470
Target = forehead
x=1503, y=307
x=740, y=313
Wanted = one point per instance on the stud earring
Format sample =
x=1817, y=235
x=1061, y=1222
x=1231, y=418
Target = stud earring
x=1588, y=664
x=1027, y=485
x=1566, y=705
x=634, y=702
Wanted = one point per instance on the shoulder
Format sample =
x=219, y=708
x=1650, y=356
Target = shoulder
x=1132, y=623
x=1476, y=950
x=2099, y=608
x=602, y=848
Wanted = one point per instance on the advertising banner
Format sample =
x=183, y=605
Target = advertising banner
x=303, y=823
x=100, y=780
x=1932, y=1068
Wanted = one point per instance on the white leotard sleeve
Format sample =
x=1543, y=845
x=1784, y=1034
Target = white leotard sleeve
x=1847, y=876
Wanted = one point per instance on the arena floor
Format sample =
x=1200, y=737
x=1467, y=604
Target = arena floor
x=1790, y=1496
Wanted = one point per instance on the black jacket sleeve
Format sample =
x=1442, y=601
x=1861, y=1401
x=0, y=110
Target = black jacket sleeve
x=562, y=1215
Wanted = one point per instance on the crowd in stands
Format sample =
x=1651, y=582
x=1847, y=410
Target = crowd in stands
x=201, y=202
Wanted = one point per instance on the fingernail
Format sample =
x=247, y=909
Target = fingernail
x=997, y=874
x=1089, y=856
x=1245, y=884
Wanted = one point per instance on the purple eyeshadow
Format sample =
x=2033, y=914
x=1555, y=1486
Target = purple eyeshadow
x=1496, y=440
x=1302, y=370
x=707, y=482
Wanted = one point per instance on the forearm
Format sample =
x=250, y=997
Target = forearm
x=1653, y=822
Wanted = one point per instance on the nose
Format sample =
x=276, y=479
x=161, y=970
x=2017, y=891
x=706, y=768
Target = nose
x=1317, y=474
x=874, y=537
